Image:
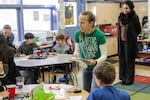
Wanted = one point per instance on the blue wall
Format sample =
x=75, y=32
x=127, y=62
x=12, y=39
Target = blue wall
x=80, y=8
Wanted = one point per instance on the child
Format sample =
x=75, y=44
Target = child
x=27, y=46
x=105, y=75
x=61, y=46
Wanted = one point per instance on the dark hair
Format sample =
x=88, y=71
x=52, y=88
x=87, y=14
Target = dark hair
x=91, y=16
x=5, y=50
x=105, y=71
x=60, y=36
x=29, y=36
x=129, y=3
x=3, y=40
x=7, y=27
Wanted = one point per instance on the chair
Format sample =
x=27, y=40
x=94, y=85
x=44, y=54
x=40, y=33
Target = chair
x=61, y=68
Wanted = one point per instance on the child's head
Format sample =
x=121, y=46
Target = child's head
x=29, y=37
x=60, y=39
x=7, y=30
x=104, y=73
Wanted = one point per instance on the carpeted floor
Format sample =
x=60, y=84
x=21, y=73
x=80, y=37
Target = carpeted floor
x=140, y=96
x=137, y=87
x=137, y=91
x=142, y=79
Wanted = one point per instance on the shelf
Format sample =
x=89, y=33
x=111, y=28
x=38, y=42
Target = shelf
x=143, y=55
x=145, y=40
x=144, y=52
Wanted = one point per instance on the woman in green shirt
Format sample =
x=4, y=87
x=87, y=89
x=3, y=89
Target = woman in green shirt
x=90, y=43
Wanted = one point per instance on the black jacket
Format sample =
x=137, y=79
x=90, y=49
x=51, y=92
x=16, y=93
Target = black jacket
x=132, y=29
x=3, y=81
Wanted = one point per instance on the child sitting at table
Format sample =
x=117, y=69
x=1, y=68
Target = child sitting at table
x=26, y=48
x=62, y=48
x=105, y=76
x=3, y=78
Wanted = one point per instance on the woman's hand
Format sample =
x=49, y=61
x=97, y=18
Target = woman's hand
x=1, y=67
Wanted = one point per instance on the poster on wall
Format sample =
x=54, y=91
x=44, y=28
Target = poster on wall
x=70, y=14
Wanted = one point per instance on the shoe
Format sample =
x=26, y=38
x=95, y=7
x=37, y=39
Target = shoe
x=129, y=83
x=123, y=82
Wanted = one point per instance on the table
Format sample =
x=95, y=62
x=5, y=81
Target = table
x=64, y=94
x=25, y=62
x=50, y=60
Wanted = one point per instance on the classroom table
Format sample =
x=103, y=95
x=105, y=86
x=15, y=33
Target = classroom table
x=25, y=62
x=65, y=92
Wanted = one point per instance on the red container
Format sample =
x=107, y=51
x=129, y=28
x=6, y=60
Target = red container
x=112, y=30
x=38, y=53
x=11, y=91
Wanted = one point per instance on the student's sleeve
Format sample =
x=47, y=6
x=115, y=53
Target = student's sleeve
x=4, y=81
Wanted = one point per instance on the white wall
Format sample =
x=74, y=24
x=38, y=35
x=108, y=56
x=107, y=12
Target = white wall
x=149, y=14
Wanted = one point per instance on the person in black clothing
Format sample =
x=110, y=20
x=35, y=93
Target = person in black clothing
x=128, y=30
x=7, y=57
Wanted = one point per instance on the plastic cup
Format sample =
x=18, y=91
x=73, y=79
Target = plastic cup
x=11, y=91
x=38, y=52
x=20, y=82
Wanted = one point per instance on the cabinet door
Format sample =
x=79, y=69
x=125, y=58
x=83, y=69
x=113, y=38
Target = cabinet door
x=112, y=46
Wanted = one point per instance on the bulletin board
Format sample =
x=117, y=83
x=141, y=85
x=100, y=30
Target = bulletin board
x=70, y=14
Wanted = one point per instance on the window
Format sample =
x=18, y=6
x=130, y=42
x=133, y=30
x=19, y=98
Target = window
x=12, y=21
x=37, y=21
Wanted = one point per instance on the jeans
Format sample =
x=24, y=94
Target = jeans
x=88, y=79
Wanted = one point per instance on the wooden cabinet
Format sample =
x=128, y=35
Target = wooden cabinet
x=143, y=48
x=143, y=55
x=112, y=46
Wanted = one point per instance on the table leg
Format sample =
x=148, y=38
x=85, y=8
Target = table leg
x=49, y=74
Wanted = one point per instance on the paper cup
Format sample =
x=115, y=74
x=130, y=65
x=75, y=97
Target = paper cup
x=11, y=91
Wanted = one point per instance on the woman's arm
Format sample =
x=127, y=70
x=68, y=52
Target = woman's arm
x=103, y=56
x=77, y=50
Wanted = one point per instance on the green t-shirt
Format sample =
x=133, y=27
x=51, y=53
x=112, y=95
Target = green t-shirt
x=89, y=44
